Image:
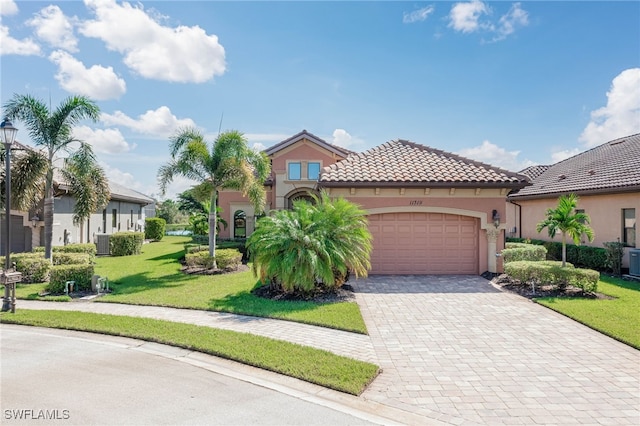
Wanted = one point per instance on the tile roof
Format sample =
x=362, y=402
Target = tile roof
x=610, y=167
x=310, y=136
x=405, y=163
x=533, y=172
x=118, y=192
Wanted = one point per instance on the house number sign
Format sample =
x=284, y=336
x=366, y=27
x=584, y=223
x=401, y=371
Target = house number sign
x=415, y=202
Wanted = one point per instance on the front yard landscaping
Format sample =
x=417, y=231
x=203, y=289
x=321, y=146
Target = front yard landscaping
x=154, y=278
x=302, y=362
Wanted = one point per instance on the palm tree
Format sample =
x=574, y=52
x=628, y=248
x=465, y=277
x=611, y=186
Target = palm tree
x=228, y=164
x=564, y=219
x=314, y=244
x=52, y=130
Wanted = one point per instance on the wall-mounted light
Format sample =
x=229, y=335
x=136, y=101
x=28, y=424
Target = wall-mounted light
x=496, y=218
x=35, y=220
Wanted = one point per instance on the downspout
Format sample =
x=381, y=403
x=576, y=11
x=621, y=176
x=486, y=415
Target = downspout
x=519, y=217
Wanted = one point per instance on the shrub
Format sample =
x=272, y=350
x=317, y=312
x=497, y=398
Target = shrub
x=154, y=228
x=125, y=243
x=582, y=256
x=200, y=239
x=523, y=252
x=34, y=267
x=228, y=259
x=614, y=252
x=199, y=259
x=62, y=258
x=552, y=272
x=80, y=274
x=194, y=248
x=88, y=248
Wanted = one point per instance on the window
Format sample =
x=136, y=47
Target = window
x=114, y=218
x=294, y=171
x=629, y=227
x=104, y=221
x=313, y=171
x=239, y=224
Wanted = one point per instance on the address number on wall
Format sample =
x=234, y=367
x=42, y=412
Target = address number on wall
x=415, y=202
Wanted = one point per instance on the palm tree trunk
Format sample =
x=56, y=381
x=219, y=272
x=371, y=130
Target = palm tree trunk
x=212, y=226
x=48, y=215
x=564, y=250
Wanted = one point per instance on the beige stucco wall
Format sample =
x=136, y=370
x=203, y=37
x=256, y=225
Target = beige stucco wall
x=604, y=210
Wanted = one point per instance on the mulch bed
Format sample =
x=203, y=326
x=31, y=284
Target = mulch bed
x=212, y=271
x=507, y=283
x=342, y=294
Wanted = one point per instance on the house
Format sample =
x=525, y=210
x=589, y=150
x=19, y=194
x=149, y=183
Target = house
x=607, y=180
x=429, y=211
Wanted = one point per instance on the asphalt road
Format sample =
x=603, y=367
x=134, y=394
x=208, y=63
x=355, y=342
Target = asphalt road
x=57, y=377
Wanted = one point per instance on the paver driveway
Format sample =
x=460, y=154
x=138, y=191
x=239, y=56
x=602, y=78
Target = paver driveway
x=456, y=349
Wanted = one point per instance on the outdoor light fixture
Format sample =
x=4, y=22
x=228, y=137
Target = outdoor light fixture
x=496, y=218
x=7, y=278
x=35, y=220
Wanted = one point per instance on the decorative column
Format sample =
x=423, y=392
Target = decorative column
x=492, y=238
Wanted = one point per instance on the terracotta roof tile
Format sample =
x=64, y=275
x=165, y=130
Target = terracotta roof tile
x=533, y=172
x=613, y=166
x=404, y=162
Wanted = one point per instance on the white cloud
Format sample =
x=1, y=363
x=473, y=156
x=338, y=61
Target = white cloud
x=178, y=185
x=96, y=82
x=621, y=116
x=12, y=46
x=258, y=147
x=342, y=138
x=558, y=156
x=492, y=154
x=514, y=18
x=8, y=7
x=181, y=54
x=160, y=122
x=53, y=27
x=465, y=17
x=417, y=15
x=107, y=141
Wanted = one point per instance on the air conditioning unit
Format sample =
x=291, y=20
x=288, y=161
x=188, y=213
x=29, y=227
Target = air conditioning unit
x=102, y=244
x=634, y=262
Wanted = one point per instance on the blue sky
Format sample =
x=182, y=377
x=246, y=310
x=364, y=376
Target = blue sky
x=508, y=83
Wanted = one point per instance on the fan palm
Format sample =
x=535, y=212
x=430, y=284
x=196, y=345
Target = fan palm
x=312, y=244
x=52, y=130
x=228, y=164
x=564, y=219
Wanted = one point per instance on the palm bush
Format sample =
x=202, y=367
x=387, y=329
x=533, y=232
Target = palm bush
x=311, y=246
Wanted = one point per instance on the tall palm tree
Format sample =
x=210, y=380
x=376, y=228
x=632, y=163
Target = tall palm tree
x=51, y=130
x=565, y=219
x=229, y=163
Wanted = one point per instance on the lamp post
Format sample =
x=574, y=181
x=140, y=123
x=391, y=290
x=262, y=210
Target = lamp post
x=9, y=279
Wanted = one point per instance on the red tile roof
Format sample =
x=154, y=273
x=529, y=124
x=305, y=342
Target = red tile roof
x=610, y=167
x=404, y=163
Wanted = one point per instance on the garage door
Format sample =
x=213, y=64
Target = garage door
x=424, y=243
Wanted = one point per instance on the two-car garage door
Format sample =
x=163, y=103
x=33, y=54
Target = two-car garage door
x=423, y=243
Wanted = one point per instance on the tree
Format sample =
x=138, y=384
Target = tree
x=167, y=210
x=197, y=204
x=229, y=163
x=313, y=245
x=564, y=219
x=52, y=130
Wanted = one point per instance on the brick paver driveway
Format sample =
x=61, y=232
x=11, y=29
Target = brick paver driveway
x=456, y=349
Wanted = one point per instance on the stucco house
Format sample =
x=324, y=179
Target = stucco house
x=429, y=211
x=607, y=180
x=125, y=211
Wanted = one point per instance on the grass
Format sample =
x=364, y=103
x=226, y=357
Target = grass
x=617, y=318
x=312, y=365
x=154, y=278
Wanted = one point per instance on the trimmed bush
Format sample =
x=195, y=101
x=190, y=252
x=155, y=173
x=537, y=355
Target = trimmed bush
x=154, y=228
x=228, y=259
x=519, y=251
x=125, y=243
x=88, y=248
x=614, y=251
x=582, y=256
x=34, y=267
x=199, y=259
x=62, y=258
x=80, y=274
x=552, y=273
x=194, y=248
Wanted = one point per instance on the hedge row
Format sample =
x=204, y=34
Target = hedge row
x=79, y=274
x=228, y=259
x=520, y=251
x=154, y=228
x=126, y=243
x=87, y=248
x=36, y=269
x=552, y=272
x=581, y=256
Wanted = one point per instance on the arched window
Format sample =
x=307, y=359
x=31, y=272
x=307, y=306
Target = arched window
x=239, y=224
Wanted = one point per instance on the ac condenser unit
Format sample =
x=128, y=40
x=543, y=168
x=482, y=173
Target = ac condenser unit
x=102, y=244
x=634, y=262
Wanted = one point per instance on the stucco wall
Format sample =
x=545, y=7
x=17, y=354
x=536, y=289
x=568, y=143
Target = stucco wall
x=604, y=210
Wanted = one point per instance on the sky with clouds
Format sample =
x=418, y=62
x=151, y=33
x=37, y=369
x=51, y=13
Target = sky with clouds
x=509, y=83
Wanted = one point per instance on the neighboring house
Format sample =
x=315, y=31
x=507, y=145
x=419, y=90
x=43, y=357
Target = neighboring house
x=607, y=180
x=429, y=211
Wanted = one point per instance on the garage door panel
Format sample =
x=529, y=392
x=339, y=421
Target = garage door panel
x=424, y=243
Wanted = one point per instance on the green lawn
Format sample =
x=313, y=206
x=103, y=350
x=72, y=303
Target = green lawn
x=154, y=278
x=618, y=318
x=302, y=362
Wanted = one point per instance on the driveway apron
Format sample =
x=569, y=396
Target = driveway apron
x=456, y=349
